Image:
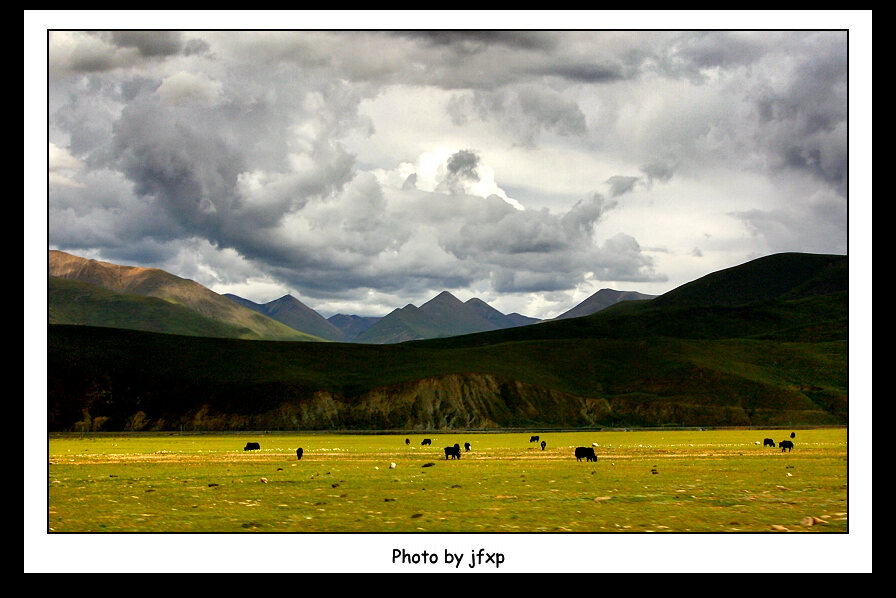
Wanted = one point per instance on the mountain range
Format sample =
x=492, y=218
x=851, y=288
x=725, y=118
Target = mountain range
x=90, y=292
x=764, y=343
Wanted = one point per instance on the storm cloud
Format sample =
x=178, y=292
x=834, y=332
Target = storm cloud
x=363, y=170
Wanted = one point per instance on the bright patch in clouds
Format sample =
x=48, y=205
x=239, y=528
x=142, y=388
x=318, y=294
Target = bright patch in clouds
x=188, y=88
x=60, y=162
x=371, y=169
x=430, y=172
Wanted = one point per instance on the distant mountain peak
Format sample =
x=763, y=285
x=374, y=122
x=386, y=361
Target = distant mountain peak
x=290, y=311
x=600, y=300
x=443, y=315
x=443, y=298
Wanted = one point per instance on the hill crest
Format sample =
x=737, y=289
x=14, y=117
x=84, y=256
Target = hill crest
x=602, y=299
x=155, y=283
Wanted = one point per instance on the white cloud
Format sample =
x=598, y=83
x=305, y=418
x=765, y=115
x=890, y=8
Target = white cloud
x=183, y=88
x=429, y=172
x=374, y=166
x=60, y=158
x=59, y=161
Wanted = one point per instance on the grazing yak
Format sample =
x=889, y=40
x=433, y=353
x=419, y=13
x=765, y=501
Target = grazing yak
x=543, y=444
x=407, y=441
x=299, y=452
x=793, y=434
x=585, y=452
x=533, y=439
x=252, y=446
x=768, y=442
x=466, y=446
x=426, y=441
x=786, y=445
x=452, y=451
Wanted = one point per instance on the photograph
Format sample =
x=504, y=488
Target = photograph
x=447, y=291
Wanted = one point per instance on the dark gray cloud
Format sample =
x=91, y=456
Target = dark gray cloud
x=792, y=228
x=620, y=185
x=525, y=111
x=584, y=72
x=238, y=150
x=694, y=53
x=658, y=171
x=410, y=182
x=463, y=164
x=150, y=43
x=480, y=40
x=101, y=51
x=522, y=251
x=190, y=171
x=805, y=119
x=461, y=170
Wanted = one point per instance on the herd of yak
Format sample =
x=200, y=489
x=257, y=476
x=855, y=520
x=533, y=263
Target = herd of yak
x=581, y=452
x=786, y=445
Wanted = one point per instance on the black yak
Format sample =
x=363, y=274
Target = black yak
x=768, y=442
x=586, y=452
x=452, y=451
x=252, y=446
x=425, y=442
x=786, y=445
x=299, y=452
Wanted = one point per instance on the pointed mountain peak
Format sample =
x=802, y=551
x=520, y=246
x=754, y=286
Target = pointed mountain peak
x=600, y=300
x=444, y=298
x=284, y=300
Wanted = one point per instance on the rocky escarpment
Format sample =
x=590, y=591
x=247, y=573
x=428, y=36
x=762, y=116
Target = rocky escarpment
x=451, y=402
x=482, y=401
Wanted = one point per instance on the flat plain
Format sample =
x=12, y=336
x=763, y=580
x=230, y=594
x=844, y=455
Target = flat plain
x=672, y=481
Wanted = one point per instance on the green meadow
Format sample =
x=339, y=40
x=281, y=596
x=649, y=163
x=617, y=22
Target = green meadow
x=643, y=481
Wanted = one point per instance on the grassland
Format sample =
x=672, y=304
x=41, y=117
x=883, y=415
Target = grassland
x=644, y=481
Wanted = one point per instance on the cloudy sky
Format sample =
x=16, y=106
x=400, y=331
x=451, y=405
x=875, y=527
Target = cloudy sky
x=363, y=170
x=529, y=159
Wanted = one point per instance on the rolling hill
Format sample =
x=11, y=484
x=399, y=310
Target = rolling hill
x=120, y=306
x=602, y=299
x=761, y=344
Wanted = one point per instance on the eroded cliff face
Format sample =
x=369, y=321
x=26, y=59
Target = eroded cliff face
x=483, y=401
x=452, y=402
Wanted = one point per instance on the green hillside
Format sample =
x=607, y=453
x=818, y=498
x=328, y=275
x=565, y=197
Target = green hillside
x=779, y=276
x=602, y=299
x=126, y=285
x=72, y=302
x=778, y=361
